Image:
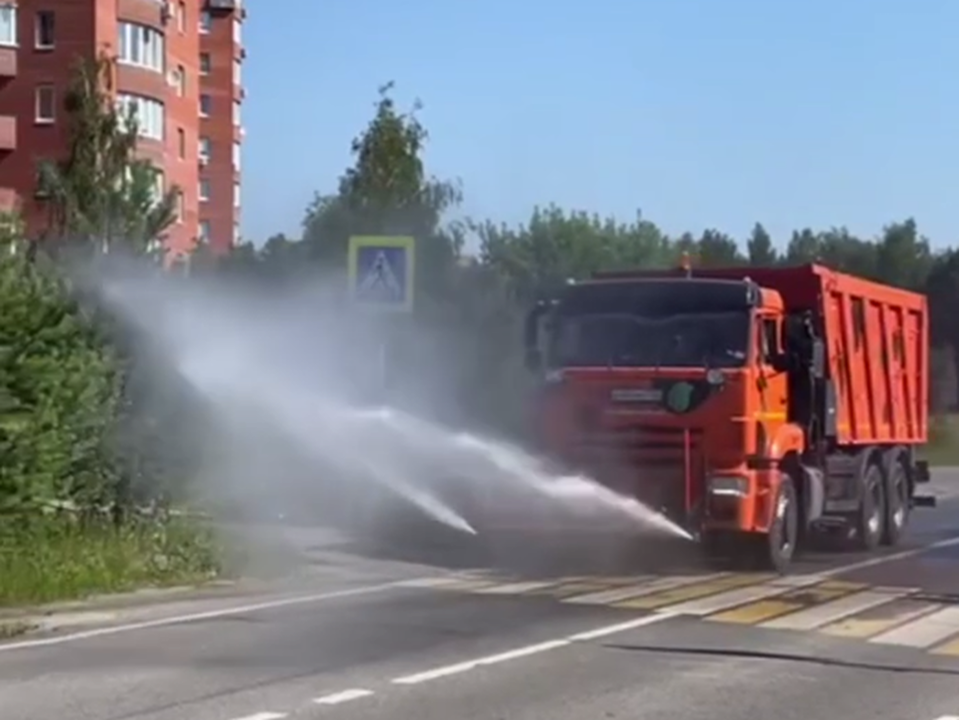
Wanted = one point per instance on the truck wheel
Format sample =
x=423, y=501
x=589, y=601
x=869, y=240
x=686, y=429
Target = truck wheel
x=870, y=518
x=778, y=547
x=897, y=515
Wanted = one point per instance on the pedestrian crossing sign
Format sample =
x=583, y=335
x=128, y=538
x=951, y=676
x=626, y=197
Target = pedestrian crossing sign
x=381, y=272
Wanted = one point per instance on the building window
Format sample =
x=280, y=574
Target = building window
x=236, y=234
x=236, y=194
x=204, y=231
x=181, y=17
x=237, y=72
x=236, y=113
x=237, y=30
x=203, y=149
x=206, y=105
x=44, y=31
x=204, y=191
x=181, y=143
x=205, y=63
x=141, y=46
x=46, y=104
x=159, y=186
x=236, y=157
x=205, y=22
x=8, y=24
x=178, y=206
x=148, y=113
x=180, y=80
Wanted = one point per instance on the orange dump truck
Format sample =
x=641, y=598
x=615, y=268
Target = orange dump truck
x=753, y=406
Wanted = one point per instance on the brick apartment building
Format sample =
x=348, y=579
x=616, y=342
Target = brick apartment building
x=178, y=62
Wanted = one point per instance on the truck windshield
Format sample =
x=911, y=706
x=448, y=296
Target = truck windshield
x=717, y=340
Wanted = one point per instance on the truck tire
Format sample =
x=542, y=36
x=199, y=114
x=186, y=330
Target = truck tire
x=868, y=523
x=897, y=502
x=776, y=549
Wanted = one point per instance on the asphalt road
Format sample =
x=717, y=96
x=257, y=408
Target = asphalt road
x=361, y=636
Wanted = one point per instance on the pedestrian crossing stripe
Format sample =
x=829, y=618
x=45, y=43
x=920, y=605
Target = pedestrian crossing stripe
x=811, y=603
x=948, y=648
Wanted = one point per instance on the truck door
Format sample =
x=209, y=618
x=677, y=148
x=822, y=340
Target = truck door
x=771, y=382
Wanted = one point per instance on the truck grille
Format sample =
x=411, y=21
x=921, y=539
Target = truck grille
x=641, y=444
x=646, y=462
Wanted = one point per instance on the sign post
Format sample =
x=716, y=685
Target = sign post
x=381, y=272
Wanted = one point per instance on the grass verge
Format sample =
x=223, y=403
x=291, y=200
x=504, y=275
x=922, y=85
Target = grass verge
x=45, y=560
x=942, y=448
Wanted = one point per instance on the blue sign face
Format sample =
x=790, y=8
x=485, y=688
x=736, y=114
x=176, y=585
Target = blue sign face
x=381, y=276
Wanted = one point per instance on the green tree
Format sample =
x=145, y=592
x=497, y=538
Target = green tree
x=760, y=249
x=101, y=194
x=387, y=191
x=57, y=389
x=903, y=256
x=717, y=249
x=554, y=246
x=941, y=288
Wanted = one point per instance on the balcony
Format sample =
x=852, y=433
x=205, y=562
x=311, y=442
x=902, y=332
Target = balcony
x=151, y=13
x=8, y=62
x=8, y=133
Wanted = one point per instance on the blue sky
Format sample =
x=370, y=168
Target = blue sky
x=701, y=113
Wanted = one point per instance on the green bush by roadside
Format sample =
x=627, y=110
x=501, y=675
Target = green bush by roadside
x=45, y=560
x=65, y=393
x=942, y=448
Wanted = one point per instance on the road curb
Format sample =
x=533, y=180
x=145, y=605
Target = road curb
x=10, y=629
x=15, y=622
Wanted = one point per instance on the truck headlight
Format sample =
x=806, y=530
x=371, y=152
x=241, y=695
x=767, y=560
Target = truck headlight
x=727, y=485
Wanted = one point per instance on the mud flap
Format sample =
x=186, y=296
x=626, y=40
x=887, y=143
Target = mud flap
x=814, y=494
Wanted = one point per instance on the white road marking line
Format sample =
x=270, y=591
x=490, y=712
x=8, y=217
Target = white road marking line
x=338, y=698
x=524, y=652
x=265, y=716
x=819, y=615
x=434, y=674
x=925, y=631
x=880, y=559
x=517, y=588
x=527, y=650
x=199, y=616
x=619, y=627
x=457, y=668
x=442, y=582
